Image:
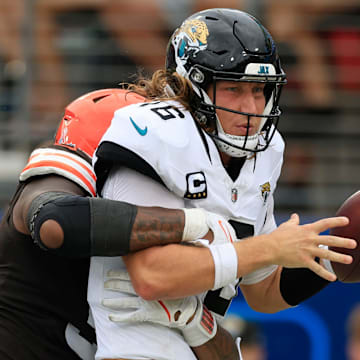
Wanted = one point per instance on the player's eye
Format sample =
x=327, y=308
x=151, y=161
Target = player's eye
x=258, y=89
x=232, y=88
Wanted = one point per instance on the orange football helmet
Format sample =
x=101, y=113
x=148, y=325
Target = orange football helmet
x=87, y=118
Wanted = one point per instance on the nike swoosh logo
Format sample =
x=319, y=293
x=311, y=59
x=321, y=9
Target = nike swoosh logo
x=141, y=131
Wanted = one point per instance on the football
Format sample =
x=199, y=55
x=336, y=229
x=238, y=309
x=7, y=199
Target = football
x=350, y=208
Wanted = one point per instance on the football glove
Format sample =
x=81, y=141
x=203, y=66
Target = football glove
x=188, y=315
x=223, y=232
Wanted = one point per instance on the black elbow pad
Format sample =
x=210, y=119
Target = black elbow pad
x=72, y=213
x=297, y=285
x=91, y=226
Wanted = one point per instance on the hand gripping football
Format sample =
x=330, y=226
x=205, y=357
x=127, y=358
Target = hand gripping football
x=349, y=273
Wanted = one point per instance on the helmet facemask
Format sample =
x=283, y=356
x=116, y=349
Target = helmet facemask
x=240, y=145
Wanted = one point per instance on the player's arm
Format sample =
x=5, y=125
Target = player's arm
x=276, y=288
x=171, y=272
x=35, y=187
x=175, y=270
x=265, y=296
x=282, y=289
x=286, y=286
x=220, y=347
x=62, y=219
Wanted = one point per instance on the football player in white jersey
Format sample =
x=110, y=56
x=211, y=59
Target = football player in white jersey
x=207, y=137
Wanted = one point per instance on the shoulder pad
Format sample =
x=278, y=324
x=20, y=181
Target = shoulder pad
x=46, y=161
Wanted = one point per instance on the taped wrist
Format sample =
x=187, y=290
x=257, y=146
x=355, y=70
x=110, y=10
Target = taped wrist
x=202, y=327
x=297, y=285
x=91, y=226
x=195, y=226
x=225, y=262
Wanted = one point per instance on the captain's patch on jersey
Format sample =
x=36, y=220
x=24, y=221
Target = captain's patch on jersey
x=265, y=191
x=196, y=186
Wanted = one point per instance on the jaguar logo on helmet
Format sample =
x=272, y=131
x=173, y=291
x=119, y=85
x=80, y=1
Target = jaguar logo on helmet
x=192, y=34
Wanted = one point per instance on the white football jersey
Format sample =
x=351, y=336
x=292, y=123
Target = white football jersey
x=188, y=162
x=163, y=142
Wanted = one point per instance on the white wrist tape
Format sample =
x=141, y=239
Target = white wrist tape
x=196, y=225
x=201, y=329
x=226, y=263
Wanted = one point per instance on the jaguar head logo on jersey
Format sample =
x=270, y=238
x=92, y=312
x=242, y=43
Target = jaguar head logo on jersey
x=265, y=191
x=196, y=187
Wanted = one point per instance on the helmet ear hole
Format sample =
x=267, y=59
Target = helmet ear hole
x=197, y=76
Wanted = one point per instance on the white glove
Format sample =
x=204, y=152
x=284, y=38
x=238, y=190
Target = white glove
x=223, y=232
x=188, y=315
x=134, y=309
x=199, y=221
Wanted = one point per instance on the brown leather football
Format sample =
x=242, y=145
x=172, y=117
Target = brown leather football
x=349, y=273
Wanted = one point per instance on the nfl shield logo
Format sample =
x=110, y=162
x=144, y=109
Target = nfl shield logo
x=234, y=195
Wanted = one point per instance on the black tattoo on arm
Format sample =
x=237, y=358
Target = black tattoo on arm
x=221, y=347
x=156, y=226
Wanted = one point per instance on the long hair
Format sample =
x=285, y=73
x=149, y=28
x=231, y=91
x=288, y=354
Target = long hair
x=157, y=88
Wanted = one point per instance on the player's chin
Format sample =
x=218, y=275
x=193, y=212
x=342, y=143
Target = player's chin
x=244, y=131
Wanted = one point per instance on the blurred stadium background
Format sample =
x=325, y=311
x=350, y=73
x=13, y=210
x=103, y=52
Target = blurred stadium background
x=52, y=51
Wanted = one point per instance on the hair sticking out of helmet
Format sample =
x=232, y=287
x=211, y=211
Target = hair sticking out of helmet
x=91, y=114
x=228, y=45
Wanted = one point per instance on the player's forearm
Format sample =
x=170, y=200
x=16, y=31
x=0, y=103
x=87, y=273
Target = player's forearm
x=282, y=289
x=253, y=254
x=156, y=226
x=171, y=272
x=220, y=347
x=119, y=227
x=175, y=271
x=265, y=295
